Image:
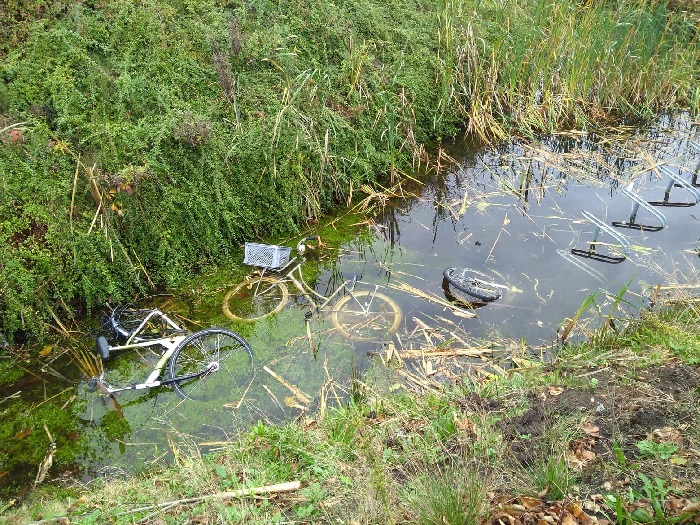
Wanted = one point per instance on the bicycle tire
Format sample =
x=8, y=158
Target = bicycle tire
x=478, y=289
x=242, y=303
x=383, y=319
x=123, y=320
x=211, y=363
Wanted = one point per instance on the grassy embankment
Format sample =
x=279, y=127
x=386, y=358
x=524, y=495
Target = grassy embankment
x=606, y=431
x=142, y=142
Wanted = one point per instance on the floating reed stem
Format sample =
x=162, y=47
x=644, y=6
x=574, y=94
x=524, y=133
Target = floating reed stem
x=432, y=298
x=301, y=396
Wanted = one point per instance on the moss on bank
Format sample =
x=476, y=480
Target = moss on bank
x=600, y=433
x=143, y=142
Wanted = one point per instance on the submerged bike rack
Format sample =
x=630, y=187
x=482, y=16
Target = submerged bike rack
x=591, y=252
x=696, y=147
x=637, y=201
x=678, y=181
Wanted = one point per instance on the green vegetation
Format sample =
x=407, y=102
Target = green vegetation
x=140, y=143
x=541, y=440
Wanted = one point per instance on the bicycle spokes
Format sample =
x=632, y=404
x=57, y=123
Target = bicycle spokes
x=212, y=364
x=366, y=316
x=250, y=301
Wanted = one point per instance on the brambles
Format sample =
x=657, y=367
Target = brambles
x=237, y=124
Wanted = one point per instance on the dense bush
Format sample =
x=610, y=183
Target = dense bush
x=143, y=141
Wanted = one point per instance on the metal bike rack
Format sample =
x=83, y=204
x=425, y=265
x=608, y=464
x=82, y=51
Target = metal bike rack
x=591, y=252
x=676, y=180
x=637, y=202
x=696, y=147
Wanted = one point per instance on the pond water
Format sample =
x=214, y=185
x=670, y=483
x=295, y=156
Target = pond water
x=513, y=213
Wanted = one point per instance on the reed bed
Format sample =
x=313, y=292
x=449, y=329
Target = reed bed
x=543, y=66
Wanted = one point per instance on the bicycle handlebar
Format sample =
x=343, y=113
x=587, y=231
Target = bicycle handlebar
x=300, y=245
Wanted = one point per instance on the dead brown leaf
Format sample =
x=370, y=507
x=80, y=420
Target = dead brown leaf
x=668, y=435
x=587, y=455
x=503, y=518
x=23, y=433
x=467, y=426
x=529, y=503
x=591, y=429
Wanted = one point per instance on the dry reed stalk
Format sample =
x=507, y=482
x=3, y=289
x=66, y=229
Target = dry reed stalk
x=88, y=363
x=45, y=465
x=273, y=396
x=72, y=196
x=431, y=297
x=420, y=382
x=449, y=352
x=293, y=389
x=506, y=221
x=237, y=405
x=62, y=328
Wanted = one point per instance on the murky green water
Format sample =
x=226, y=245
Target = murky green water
x=512, y=212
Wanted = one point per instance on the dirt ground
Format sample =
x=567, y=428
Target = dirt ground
x=635, y=425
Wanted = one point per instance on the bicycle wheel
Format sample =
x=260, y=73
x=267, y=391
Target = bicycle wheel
x=211, y=364
x=370, y=319
x=465, y=281
x=255, y=299
x=123, y=320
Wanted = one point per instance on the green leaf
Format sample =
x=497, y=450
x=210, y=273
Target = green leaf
x=666, y=450
x=641, y=515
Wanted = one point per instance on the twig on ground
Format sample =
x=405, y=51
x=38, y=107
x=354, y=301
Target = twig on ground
x=231, y=494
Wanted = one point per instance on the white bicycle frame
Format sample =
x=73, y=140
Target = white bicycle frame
x=170, y=344
x=304, y=288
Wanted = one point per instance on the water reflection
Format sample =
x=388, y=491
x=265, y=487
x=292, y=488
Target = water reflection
x=541, y=215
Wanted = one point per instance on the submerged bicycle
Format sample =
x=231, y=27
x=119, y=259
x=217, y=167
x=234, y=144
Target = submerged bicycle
x=360, y=314
x=199, y=366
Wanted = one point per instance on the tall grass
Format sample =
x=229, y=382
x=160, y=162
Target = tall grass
x=538, y=66
x=456, y=496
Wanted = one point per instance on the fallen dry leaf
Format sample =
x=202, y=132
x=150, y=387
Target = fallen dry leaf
x=588, y=455
x=569, y=520
x=690, y=508
x=591, y=429
x=23, y=433
x=555, y=390
x=529, y=503
x=668, y=435
x=466, y=425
